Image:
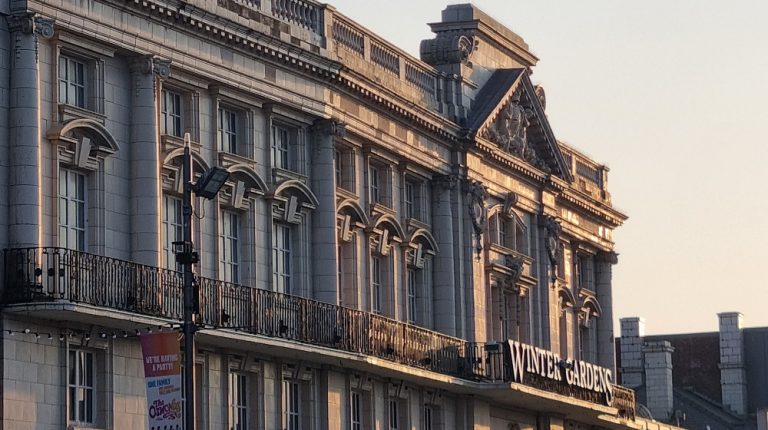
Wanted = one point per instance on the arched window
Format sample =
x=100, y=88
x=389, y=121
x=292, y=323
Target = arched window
x=350, y=219
x=508, y=230
x=292, y=202
x=418, y=278
x=588, y=314
x=385, y=258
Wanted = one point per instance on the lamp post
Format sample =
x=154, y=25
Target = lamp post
x=207, y=187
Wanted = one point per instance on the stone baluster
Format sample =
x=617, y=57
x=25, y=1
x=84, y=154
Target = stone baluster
x=324, y=236
x=24, y=180
x=146, y=192
x=444, y=275
x=606, y=350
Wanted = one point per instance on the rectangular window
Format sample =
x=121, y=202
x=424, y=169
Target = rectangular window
x=72, y=210
x=171, y=114
x=428, y=417
x=585, y=270
x=394, y=414
x=292, y=404
x=337, y=163
x=230, y=246
x=172, y=230
x=228, y=129
x=280, y=147
x=411, y=293
x=374, y=184
x=238, y=401
x=409, y=200
x=80, y=386
x=376, y=284
x=72, y=82
x=356, y=410
x=281, y=254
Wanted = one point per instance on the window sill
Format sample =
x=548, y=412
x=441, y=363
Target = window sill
x=280, y=175
x=169, y=143
x=227, y=159
x=69, y=112
x=83, y=427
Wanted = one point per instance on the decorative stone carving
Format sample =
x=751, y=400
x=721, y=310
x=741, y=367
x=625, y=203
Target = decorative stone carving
x=509, y=203
x=553, y=230
x=510, y=131
x=29, y=24
x=330, y=127
x=542, y=96
x=607, y=257
x=449, y=48
x=515, y=265
x=477, y=210
x=445, y=182
x=150, y=64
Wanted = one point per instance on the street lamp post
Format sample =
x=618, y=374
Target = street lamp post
x=208, y=186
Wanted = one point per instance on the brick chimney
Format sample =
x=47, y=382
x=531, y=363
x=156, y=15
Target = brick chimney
x=658, y=379
x=732, y=374
x=631, y=350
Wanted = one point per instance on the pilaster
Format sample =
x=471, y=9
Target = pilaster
x=24, y=130
x=444, y=276
x=146, y=191
x=324, y=236
x=606, y=350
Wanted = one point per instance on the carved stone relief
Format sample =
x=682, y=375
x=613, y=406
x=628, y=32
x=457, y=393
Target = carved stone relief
x=477, y=210
x=449, y=48
x=510, y=131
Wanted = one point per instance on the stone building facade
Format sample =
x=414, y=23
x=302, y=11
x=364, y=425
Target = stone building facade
x=389, y=222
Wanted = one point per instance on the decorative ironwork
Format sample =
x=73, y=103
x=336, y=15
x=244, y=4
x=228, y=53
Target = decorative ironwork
x=58, y=274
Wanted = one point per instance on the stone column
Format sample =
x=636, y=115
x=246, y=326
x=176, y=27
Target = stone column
x=658, y=379
x=24, y=131
x=632, y=333
x=146, y=193
x=762, y=419
x=733, y=381
x=444, y=276
x=606, y=349
x=324, y=236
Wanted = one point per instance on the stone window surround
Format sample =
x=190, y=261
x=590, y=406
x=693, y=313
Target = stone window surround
x=101, y=383
x=252, y=369
x=297, y=148
x=190, y=109
x=245, y=114
x=93, y=56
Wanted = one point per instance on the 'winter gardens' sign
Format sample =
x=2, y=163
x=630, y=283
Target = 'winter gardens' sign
x=544, y=369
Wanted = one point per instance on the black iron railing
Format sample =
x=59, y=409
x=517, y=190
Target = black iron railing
x=50, y=274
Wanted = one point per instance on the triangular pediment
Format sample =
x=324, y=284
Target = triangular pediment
x=508, y=112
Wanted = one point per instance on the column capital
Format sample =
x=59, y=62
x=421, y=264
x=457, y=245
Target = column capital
x=147, y=64
x=445, y=182
x=607, y=257
x=31, y=24
x=330, y=127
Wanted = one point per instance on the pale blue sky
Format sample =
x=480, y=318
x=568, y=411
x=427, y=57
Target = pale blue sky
x=672, y=96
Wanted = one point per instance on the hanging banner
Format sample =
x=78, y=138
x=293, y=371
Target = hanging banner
x=162, y=374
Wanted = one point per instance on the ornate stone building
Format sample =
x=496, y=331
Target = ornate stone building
x=389, y=225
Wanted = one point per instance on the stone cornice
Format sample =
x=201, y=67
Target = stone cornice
x=301, y=60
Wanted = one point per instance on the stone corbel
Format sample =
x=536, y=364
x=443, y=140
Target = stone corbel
x=445, y=182
x=147, y=64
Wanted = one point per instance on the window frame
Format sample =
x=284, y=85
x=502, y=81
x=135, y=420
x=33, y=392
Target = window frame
x=65, y=84
x=239, y=401
x=230, y=240
x=282, y=258
x=81, y=229
x=74, y=389
x=169, y=256
x=229, y=136
x=281, y=157
x=177, y=117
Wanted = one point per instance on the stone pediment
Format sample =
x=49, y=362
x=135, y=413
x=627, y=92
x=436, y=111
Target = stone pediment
x=509, y=112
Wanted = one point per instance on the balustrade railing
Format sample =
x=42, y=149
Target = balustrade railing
x=58, y=274
x=305, y=14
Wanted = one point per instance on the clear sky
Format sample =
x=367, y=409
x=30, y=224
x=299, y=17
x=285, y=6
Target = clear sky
x=673, y=97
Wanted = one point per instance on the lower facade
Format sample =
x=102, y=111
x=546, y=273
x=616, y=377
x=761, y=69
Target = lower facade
x=69, y=365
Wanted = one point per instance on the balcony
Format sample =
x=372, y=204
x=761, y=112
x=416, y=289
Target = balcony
x=45, y=275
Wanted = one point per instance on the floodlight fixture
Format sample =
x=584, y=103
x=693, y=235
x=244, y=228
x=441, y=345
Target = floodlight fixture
x=211, y=182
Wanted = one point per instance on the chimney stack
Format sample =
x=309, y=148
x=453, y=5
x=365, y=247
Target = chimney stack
x=631, y=350
x=658, y=379
x=732, y=374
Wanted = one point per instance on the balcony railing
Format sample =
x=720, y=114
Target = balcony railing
x=58, y=274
